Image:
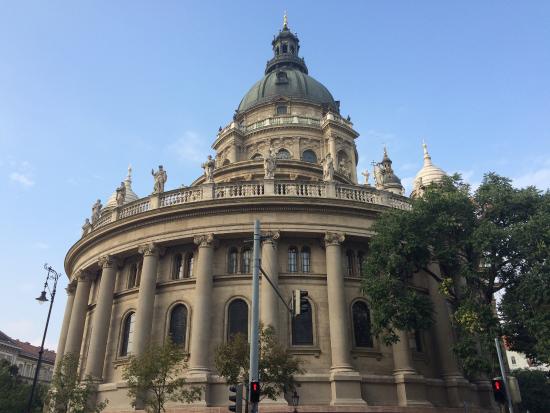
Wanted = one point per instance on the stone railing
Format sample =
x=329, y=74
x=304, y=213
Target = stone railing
x=282, y=120
x=253, y=189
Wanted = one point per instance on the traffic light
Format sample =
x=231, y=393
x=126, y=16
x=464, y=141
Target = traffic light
x=255, y=392
x=236, y=397
x=299, y=302
x=499, y=390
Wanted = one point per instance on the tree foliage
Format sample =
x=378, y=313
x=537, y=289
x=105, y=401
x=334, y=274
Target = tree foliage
x=494, y=239
x=69, y=393
x=15, y=391
x=156, y=376
x=276, y=365
x=534, y=386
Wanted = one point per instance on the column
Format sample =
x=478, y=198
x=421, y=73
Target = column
x=146, y=296
x=411, y=387
x=71, y=288
x=444, y=339
x=202, y=318
x=332, y=148
x=78, y=313
x=102, y=317
x=269, y=301
x=345, y=381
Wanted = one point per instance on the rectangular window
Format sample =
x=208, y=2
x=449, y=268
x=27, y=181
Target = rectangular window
x=281, y=110
x=292, y=259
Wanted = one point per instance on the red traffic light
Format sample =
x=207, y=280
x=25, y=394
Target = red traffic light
x=498, y=390
x=255, y=391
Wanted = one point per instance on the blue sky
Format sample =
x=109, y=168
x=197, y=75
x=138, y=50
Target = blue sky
x=88, y=87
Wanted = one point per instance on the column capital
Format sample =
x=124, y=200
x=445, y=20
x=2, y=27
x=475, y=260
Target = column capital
x=71, y=288
x=151, y=248
x=205, y=240
x=334, y=238
x=271, y=237
x=108, y=261
x=83, y=275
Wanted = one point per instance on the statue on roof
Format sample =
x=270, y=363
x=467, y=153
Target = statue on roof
x=87, y=227
x=96, y=211
x=366, y=174
x=328, y=168
x=121, y=194
x=209, y=167
x=270, y=163
x=160, y=179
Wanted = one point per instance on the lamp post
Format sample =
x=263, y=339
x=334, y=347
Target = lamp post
x=53, y=276
x=295, y=400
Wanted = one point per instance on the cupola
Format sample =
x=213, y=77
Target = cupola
x=428, y=174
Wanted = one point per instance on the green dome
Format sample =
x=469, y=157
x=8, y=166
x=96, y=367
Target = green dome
x=290, y=83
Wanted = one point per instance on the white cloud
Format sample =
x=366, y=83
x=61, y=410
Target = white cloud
x=22, y=179
x=190, y=147
x=539, y=178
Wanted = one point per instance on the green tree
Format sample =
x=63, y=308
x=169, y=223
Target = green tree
x=15, y=391
x=70, y=393
x=156, y=376
x=276, y=365
x=483, y=242
x=534, y=386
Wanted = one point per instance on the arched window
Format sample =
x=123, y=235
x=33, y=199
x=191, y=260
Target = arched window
x=361, y=324
x=350, y=263
x=309, y=156
x=128, y=334
x=302, y=328
x=283, y=154
x=232, y=261
x=285, y=48
x=292, y=259
x=305, y=258
x=277, y=51
x=237, y=318
x=292, y=49
x=177, y=271
x=245, y=262
x=189, y=259
x=178, y=324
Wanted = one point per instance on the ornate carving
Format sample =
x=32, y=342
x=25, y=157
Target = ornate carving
x=205, y=240
x=71, y=288
x=87, y=227
x=83, y=275
x=334, y=238
x=270, y=163
x=150, y=248
x=107, y=261
x=271, y=237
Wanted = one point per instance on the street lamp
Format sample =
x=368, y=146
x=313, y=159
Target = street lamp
x=53, y=276
x=295, y=400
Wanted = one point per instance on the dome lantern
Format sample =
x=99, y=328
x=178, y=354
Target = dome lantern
x=286, y=46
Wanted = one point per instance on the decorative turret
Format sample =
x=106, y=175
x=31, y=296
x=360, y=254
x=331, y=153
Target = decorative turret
x=428, y=174
x=286, y=46
x=385, y=177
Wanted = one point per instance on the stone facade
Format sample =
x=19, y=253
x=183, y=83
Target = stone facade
x=190, y=246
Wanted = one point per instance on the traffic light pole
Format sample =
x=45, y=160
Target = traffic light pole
x=504, y=377
x=254, y=336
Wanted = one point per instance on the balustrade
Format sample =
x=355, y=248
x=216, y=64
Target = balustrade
x=281, y=188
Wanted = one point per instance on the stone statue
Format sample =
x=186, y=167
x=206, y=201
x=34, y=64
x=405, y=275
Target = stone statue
x=270, y=163
x=343, y=168
x=160, y=179
x=366, y=174
x=328, y=168
x=209, y=167
x=120, y=194
x=96, y=211
x=87, y=227
x=378, y=178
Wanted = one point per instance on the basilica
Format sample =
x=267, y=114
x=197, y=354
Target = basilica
x=177, y=262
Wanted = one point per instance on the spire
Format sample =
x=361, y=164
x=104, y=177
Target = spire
x=129, y=177
x=285, y=21
x=427, y=157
